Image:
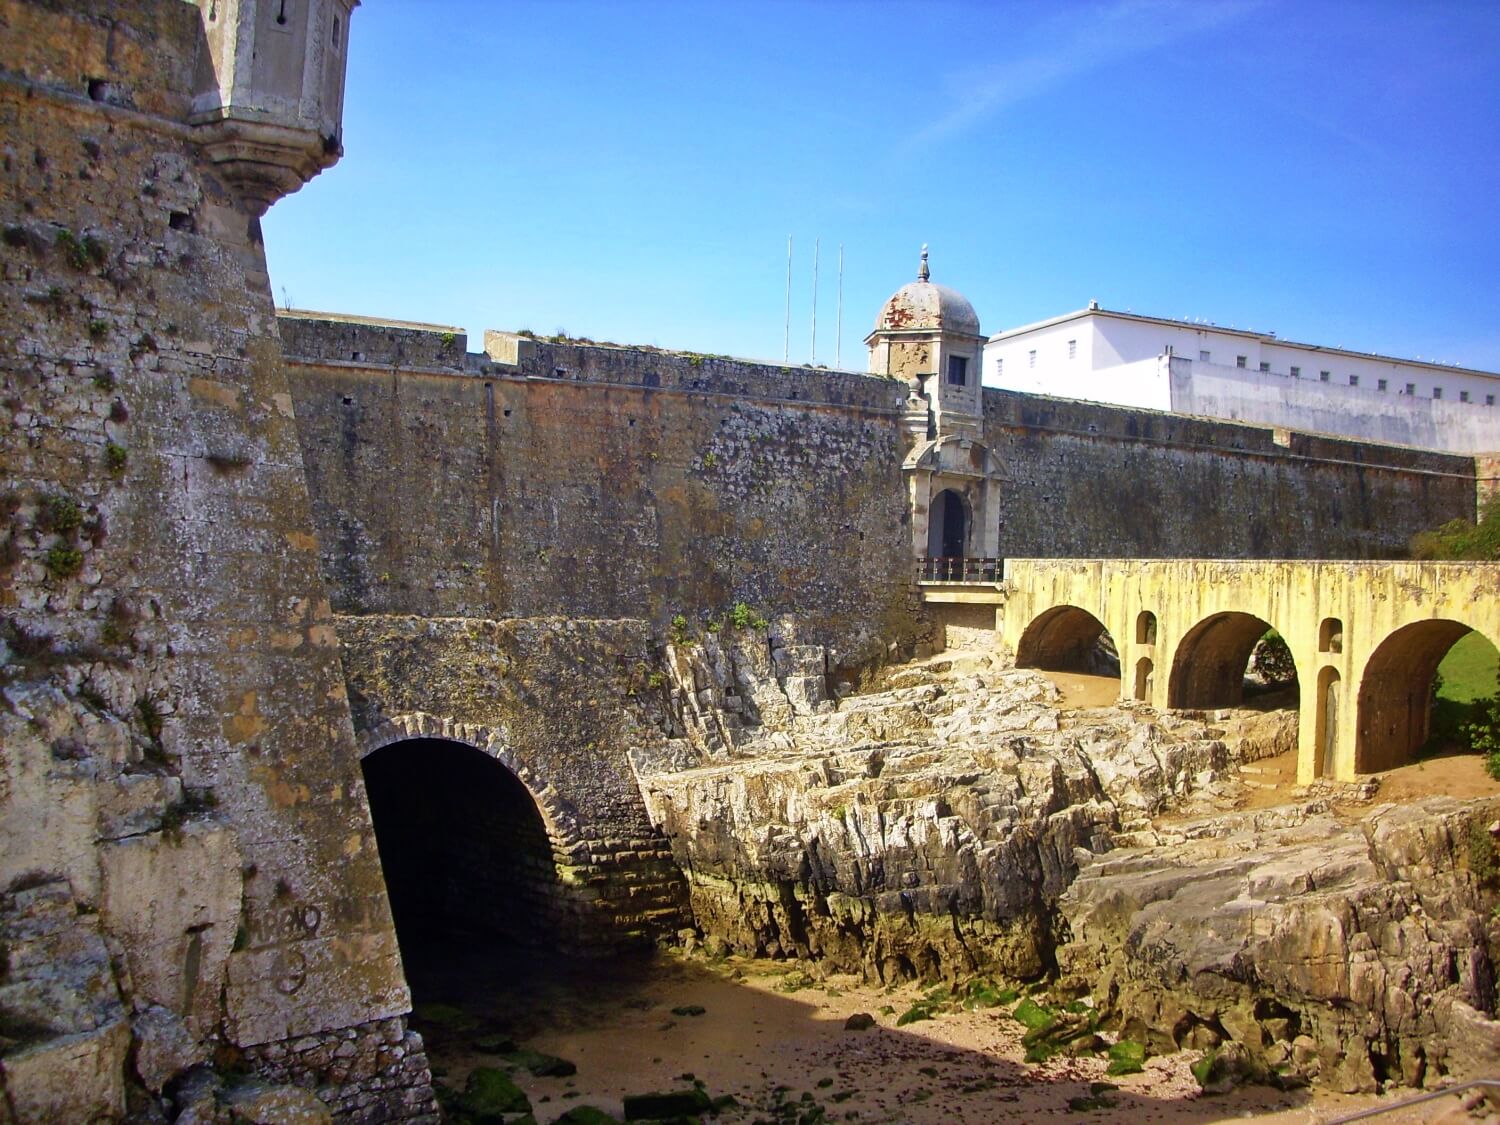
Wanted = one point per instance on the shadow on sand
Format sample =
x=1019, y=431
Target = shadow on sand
x=785, y=1056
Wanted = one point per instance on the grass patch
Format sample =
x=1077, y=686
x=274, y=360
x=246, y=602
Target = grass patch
x=1469, y=670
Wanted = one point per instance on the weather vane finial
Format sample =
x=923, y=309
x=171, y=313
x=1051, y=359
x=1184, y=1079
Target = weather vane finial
x=922, y=272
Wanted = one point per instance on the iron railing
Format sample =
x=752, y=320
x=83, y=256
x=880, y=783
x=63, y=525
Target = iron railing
x=960, y=570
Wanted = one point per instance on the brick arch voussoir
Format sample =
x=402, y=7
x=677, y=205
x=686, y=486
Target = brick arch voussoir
x=562, y=826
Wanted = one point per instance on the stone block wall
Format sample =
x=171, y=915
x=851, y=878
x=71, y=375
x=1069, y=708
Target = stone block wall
x=1087, y=480
x=596, y=481
x=561, y=703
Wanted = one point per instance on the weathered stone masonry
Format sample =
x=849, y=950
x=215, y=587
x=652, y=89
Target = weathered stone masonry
x=600, y=482
x=569, y=478
x=180, y=778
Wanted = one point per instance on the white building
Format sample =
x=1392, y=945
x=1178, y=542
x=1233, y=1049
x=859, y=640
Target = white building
x=1190, y=368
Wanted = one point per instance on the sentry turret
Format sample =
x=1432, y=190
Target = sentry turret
x=270, y=100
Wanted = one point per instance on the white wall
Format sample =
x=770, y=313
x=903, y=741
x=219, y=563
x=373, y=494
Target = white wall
x=1302, y=404
x=1008, y=364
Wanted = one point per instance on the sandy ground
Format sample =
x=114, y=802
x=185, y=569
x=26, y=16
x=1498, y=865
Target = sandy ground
x=755, y=1036
x=1079, y=690
x=1270, y=781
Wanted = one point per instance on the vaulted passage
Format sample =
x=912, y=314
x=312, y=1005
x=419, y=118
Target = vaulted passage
x=1209, y=668
x=1396, y=696
x=466, y=857
x=1068, y=639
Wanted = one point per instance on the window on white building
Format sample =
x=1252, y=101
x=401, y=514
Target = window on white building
x=1489, y=400
x=1031, y=358
x=1296, y=372
x=1240, y=361
x=1324, y=376
x=1463, y=396
x=1265, y=367
x=1411, y=389
x=1354, y=380
x=1204, y=357
x=1072, y=349
x=1000, y=366
x=1382, y=385
x=1437, y=392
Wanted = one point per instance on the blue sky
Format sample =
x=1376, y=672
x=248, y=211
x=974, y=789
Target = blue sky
x=631, y=171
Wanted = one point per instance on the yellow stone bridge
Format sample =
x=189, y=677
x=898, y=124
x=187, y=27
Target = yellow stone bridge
x=1366, y=636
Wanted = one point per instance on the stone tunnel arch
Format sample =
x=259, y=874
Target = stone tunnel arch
x=465, y=853
x=1066, y=638
x=1395, y=693
x=470, y=846
x=1208, y=669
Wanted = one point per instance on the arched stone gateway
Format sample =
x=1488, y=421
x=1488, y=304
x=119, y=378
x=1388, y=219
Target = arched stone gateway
x=1395, y=693
x=947, y=526
x=476, y=840
x=466, y=856
x=561, y=824
x=1067, y=639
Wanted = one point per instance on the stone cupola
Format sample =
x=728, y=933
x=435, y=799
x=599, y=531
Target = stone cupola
x=928, y=335
x=270, y=100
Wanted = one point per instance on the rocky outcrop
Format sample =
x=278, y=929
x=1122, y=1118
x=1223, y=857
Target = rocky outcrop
x=956, y=821
x=1358, y=953
x=926, y=829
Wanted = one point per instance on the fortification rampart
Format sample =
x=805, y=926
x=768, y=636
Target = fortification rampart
x=183, y=835
x=1089, y=479
x=596, y=481
x=544, y=477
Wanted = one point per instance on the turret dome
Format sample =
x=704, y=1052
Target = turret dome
x=922, y=306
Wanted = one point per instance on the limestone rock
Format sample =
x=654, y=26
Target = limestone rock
x=263, y=1104
x=164, y=1047
x=66, y=1034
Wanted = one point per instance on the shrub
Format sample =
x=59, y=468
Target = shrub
x=60, y=514
x=1272, y=659
x=115, y=458
x=1462, y=539
x=743, y=617
x=64, y=562
x=1484, y=735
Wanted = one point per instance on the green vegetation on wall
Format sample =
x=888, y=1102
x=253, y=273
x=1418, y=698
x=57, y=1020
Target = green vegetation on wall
x=1463, y=539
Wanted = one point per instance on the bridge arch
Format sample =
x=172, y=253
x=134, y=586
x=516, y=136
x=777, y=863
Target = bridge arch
x=1208, y=668
x=1064, y=638
x=1395, y=692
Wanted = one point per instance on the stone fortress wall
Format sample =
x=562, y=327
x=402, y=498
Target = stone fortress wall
x=595, y=481
x=187, y=866
x=1086, y=480
x=544, y=477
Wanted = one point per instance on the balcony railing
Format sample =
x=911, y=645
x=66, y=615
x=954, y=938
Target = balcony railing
x=960, y=570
